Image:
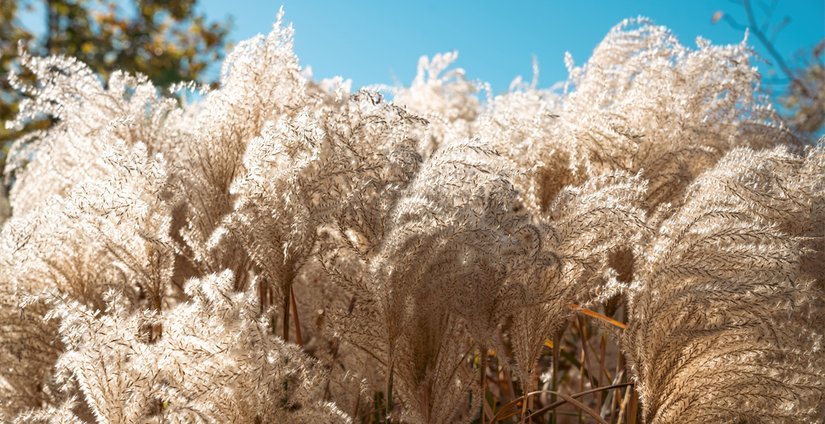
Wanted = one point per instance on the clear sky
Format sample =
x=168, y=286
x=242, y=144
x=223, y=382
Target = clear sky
x=380, y=41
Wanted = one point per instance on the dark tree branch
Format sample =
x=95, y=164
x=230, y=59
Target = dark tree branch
x=780, y=61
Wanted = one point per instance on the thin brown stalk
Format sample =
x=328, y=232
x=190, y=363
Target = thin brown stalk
x=633, y=408
x=555, y=377
x=286, y=313
x=576, y=395
x=566, y=399
x=623, y=407
x=583, y=408
x=597, y=315
x=583, y=361
x=483, y=383
x=298, y=339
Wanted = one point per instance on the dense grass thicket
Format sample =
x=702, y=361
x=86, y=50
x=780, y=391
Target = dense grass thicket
x=644, y=245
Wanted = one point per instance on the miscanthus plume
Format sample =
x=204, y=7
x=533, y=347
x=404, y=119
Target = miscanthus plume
x=287, y=250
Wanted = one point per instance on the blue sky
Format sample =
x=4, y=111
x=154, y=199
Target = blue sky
x=381, y=41
x=375, y=42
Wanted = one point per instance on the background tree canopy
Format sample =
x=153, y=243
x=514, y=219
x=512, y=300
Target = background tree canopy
x=166, y=40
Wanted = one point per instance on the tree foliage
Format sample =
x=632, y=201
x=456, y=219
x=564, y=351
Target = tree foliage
x=168, y=41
